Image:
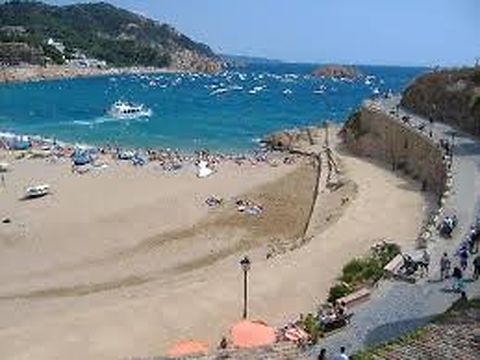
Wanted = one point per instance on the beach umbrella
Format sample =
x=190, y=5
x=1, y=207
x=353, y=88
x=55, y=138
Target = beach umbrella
x=188, y=347
x=247, y=333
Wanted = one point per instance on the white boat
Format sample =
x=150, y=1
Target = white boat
x=4, y=167
x=37, y=191
x=126, y=110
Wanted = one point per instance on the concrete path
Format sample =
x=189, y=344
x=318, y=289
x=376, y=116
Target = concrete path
x=397, y=307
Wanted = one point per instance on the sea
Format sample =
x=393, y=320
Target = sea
x=230, y=111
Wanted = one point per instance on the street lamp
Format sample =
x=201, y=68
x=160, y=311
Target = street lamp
x=245, y=264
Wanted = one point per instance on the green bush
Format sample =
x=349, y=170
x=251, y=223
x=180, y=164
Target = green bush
x=476, y=77
x=312, y=327
x=369, y=269
x=352, y=271
x=387, y=252
x=373, y=270
x=338, y=291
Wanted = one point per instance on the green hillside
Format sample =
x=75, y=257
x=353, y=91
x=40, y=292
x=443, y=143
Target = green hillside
x=97, y=30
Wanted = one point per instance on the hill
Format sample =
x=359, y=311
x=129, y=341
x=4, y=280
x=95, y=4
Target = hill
x=451, y=96
x=36, y=33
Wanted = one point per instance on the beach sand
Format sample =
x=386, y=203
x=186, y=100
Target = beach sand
x=124, y=261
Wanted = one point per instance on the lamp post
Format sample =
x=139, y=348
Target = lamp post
x=245, y=264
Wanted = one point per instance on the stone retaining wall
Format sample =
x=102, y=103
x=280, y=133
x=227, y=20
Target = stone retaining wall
x=373, y=133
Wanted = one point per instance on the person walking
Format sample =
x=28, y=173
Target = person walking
x=322, y=355
x=425, y=262
x=342, y=355
x=457, y=276
x=476, y=267
x=463, y=258
x=444, y=267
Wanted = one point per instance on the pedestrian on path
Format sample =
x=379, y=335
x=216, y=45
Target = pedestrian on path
x=322, y=355
x=463, y=258
x=425, y=262
x=445, y=267
x=476, y=267
x=457, y=276
x=342, y=355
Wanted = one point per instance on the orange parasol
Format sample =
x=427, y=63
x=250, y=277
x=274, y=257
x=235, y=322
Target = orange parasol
x=252, y=333
x=188, y=347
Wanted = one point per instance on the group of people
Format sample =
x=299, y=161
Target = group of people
x=458, y=273
x=334, y=316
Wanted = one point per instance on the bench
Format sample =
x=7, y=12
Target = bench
x=355, y=297
x=393, y=265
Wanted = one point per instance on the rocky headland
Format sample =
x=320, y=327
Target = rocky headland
x=451, y=96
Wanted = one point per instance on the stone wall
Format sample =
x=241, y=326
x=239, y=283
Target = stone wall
x=373, y=133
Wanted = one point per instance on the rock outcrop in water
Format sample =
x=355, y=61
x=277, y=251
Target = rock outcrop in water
x=288, y=140
x=450, y=96
x=337, y=71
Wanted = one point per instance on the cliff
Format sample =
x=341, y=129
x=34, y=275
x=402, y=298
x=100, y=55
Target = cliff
x=450, y=96
x=99, y=32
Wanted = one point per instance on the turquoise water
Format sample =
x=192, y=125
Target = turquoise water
x=229, y=111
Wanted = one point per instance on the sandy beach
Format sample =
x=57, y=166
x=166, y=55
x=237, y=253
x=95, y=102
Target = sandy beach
x=124, y=261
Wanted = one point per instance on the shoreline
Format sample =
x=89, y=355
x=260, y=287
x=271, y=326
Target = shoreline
x=35, y=73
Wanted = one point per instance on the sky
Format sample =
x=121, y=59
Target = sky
x=389, y=32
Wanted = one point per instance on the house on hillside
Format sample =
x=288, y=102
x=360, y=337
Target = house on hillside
x=57, y=45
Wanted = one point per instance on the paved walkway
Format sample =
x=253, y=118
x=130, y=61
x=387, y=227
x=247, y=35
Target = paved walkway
x=397, y=307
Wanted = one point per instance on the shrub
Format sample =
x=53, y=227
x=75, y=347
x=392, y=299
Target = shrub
x=476, y=77
x=373, y=270
x=352, y=271
x=338, y=291
x=312, y=327
x=387, y=252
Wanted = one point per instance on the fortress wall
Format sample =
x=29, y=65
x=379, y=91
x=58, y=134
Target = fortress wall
x=373, y=133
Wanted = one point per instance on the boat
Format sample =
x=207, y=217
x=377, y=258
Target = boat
x=37, y=191
x=126, y=110
x=4, y=167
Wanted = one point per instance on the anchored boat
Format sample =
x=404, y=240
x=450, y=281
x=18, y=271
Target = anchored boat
x=127, y=111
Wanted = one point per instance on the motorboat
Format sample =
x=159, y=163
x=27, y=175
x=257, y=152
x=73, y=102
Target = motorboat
x=37, y=191
x=126, y=110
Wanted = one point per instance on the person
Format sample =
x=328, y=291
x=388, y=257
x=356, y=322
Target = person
x=342, y=355
x=339, y=309
x=425, y=262
x=476, y=267
x=463, y=258
x=457, y=276
x=322, y=355
x=223, y=343
x=444, y=267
